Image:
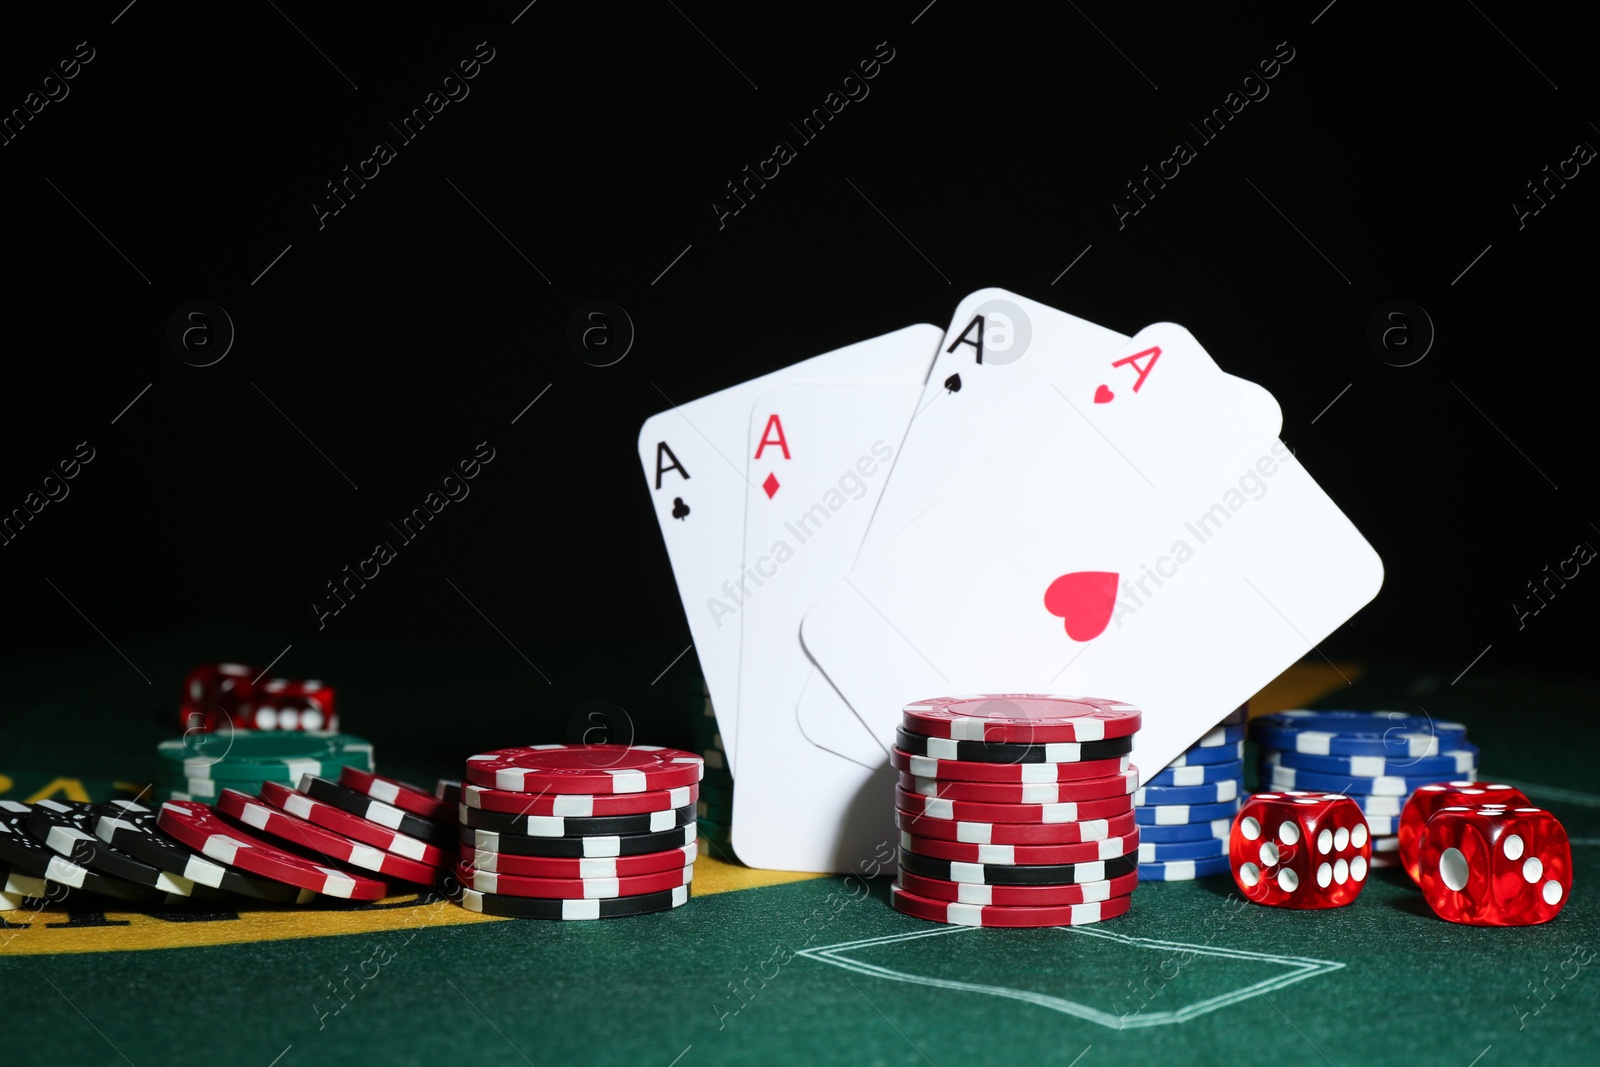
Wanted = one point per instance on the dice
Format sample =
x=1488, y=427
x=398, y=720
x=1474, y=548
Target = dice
x=1492, y=866
x=212, y=692
x=1430, y=798
x=290, y=704
x=1300, y=850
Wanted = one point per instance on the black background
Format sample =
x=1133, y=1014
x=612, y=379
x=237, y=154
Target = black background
x=425, y=316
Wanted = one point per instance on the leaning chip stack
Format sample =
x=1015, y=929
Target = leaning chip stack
x=1016, y=810
x=577, y=831
x=715, y=808
x=198, y=766
x=1186, y=809
x=1377, y=758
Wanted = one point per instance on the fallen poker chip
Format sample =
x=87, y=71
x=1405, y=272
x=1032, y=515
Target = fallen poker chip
x=976, y=811
x=1012, y=874
x=1183, y=870
x=969, y=771
x=244, y=755
x=26, y=853
x=11, y=901
x=512, y=885
x=942, y=748
x=1387, y=786
x=392, y=791
x=1210, y=793
x=1018, y=717
x=649, y=822
x=1200, y=774
x=579, y=805
x=354, y=826
x=585, y=768
x=956, y=914
x=21, y=884
x=1178, y=814
x=66, y=828
x=1161, y=852
x=1356, y=733
x=132, y=828
x=1195, y=757
x=578, y=867
x=448, y=791
x=1107, y=848
x=202, y=829
x=1012, y=896
x=537, y=908
x=374, y=811
x=599, y=846
x=1115, y=785
x=1017, y=833
x=259, y=815
x=1198, y=831
x=1460, y=760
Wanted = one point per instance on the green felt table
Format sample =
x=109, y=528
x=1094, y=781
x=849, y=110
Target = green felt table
x=808, y=970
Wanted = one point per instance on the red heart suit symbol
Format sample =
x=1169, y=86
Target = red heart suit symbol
x=1103, y=395
x=1083, y=599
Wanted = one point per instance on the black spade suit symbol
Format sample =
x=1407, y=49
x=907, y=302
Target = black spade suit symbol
x=953, y=383
x=680, y=510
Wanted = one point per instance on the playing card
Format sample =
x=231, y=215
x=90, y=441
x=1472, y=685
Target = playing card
x=1139, y=536
x=694, y=465
x=817, y=459
x=996, y=338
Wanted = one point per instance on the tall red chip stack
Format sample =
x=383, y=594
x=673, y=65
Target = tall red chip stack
x=1016, y=810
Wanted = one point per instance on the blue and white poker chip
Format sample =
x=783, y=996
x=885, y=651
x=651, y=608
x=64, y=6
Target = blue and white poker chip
x=1461, y=759
x=1182, y=870
x=1177, y=814
x=1200, y=756
x=1221, y=735
x=1150, y=852
x=1211, y=793
x=1357, y=733
x=1311, y=781
x=1369, y=805
x=1236, y=716
x=1195, y=831
x=1382, y=825
x=1200, y=774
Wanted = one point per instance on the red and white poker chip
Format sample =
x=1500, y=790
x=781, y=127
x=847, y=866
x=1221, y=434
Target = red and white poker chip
x=1114, y=785
x=972, y=771
x=296, y=831
x=202, y=829
x=585, y=768
x=1012, y=896
x=579, y=805
x=1021, y=717
x=974, y=811
x=580, y=866
x=352, y=826
x=1017, y=833
x=946, y=911
x=1108, y=848
x=510, y=885
x=392, y=791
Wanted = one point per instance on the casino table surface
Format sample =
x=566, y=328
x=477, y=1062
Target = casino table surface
x=771, y=967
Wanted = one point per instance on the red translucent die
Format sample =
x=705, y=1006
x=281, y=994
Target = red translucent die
x=1489, y=866
x=1300, y=850
x=1430, y=798
x=290, y=704
x=212, y=692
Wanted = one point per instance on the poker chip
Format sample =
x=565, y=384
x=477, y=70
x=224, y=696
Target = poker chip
x=1388, y=806
x=10, y=901
x=967, y=771
x=1108, y=848
x=1382, y=825
x=1212, y=793
x=585, y=769
x=373, y=811
x=26, y=853
x=132, y=828
x=1199, y=773
x=1031, y=874
x=1162, y=852
x=942, y=748
x=259, y=815
x=1174, y=814
x=202, y=829
x=583, y=805
x=448, y=792
x=1017, y=895
x=538, y=908
x=1200, y=756
x=511, y=885
x=957, y=914
x=1197, y=831
x=1283, y=778
x=1024, y=792
x=20, y=884
x=1357, y=733
x=625, y=845
x=392, y=791
x=560, y=826
x=1221, y=736
x=67, y=829
x=1236, y=716
x=262, y=755
x=1017, y=833
x=1021, y=718
x=1183, y=870
x=352, y=826
x=597, y=867
x=976, y=811
x=1451, y=764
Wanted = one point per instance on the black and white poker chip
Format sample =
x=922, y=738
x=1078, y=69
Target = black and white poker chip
x=132, y=828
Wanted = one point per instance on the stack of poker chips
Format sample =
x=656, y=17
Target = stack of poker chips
x=1377, y=758
x=1016, y=810
x=1185, y=811
x=715, y=809
x=198, y=766
x=577, y=831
